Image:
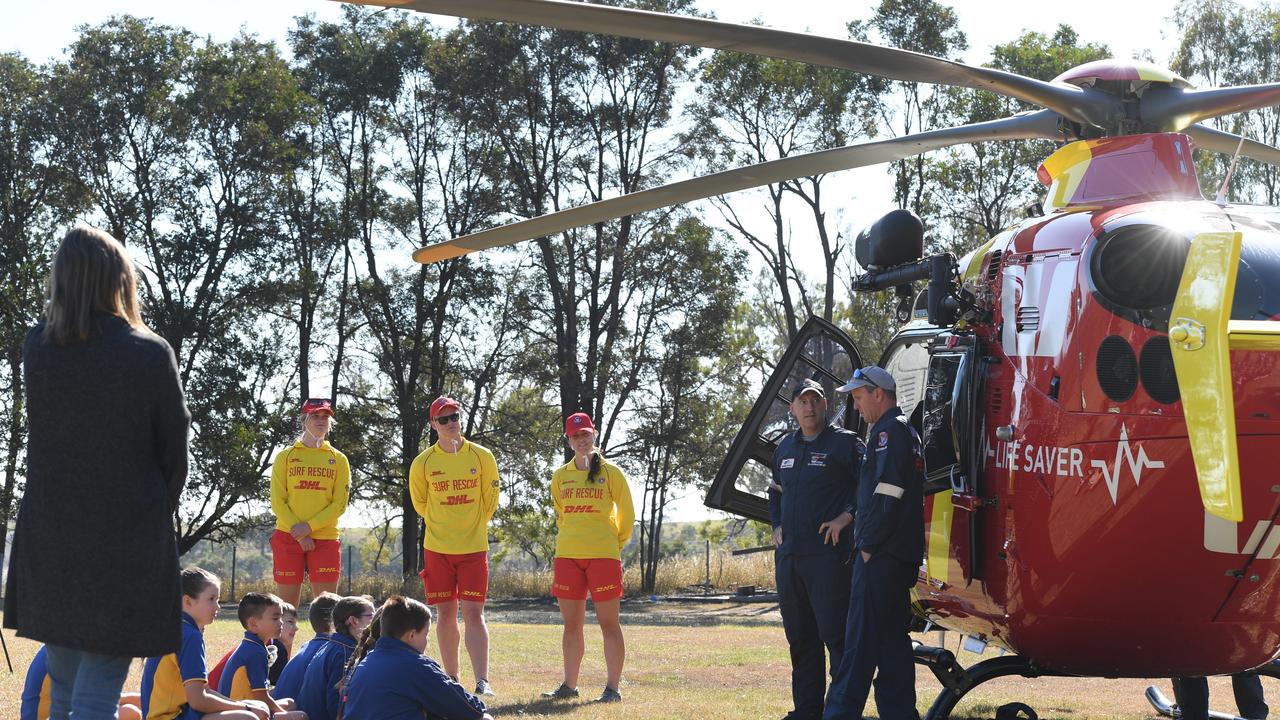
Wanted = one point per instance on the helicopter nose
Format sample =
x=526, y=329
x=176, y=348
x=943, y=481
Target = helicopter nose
x=1201, y=335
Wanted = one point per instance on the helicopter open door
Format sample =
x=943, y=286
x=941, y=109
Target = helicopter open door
x=820, y=351
x=952, y=438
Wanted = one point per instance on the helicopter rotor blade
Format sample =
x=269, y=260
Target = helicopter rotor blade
x=1042, y=124
x=1083, y=105
x=1200, y=344
x=1173, y=108
x=1226, y=143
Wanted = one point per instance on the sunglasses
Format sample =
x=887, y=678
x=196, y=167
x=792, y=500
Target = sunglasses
x=859, y=375
x=446, y=419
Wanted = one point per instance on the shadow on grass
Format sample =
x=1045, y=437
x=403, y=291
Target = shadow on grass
x=540, y=706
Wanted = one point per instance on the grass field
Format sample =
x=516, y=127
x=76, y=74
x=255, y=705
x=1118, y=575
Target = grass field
x=693, y=669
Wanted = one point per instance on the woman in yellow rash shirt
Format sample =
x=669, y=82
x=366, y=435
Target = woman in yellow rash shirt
x=310, y=483
x=593, y=517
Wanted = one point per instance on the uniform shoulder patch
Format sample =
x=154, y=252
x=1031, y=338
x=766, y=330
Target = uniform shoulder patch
x=787, y=462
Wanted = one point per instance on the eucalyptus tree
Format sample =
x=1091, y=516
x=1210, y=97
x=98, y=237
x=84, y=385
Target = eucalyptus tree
x=180, y=144
x=753, y=109
x=38, y=194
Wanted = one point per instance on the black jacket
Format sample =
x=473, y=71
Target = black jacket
x=890, y=517
x=818, y=479
x=94, y=564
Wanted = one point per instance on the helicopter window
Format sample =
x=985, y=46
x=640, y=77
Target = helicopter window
x=939, y=444
x=1139, y=266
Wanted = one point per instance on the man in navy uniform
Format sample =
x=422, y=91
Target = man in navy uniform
x=889, y=546
x=815, y=470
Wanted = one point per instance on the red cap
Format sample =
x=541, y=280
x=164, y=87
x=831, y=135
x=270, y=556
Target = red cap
x=440, y=404
x=576, y=422
x=317, y=405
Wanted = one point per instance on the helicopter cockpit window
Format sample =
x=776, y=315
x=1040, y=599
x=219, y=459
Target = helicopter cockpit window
x=940, y=450
x=820, y=352
x=1138, y=267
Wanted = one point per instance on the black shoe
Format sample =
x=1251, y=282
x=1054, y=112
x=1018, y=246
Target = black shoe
x=564, y=692
x=609, y=696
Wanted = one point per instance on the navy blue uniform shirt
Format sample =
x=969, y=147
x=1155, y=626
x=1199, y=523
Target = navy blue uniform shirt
x=818, y=479
x=319, y=697
x=890, y=516
x=394, y=682
x=290, y=682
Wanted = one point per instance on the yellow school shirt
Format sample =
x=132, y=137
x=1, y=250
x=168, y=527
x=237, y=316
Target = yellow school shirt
x=310, y=485
x=593, y=518
x=456, y=494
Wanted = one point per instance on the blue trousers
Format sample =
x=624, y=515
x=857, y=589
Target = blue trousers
x=84, y=685
x=876, y=637
x=1192, y=695
x=813, y=595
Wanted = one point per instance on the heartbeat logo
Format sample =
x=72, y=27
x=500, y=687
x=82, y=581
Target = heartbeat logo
x=1136, y=464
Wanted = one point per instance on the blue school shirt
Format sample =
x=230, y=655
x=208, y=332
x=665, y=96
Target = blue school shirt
x=290, y=683
x=394, y=682
x=246, y=669
x=35, y=693
x=319, y=697
x=164, y=678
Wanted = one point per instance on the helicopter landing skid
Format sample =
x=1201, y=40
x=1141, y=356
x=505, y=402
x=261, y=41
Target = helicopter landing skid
x=1169, y=710
x=957, y=681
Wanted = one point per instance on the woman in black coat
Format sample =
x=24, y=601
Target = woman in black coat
x=94, y=568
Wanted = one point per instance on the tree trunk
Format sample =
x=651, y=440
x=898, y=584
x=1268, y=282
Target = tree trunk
x=17, y=427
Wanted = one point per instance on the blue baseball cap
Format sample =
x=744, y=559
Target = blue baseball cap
x=871, y=376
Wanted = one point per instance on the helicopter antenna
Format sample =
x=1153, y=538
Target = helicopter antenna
x=1221, y=200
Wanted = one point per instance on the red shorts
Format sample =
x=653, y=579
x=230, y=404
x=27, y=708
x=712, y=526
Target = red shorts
x=448, y=577
x=290, y=562
x=573, y=577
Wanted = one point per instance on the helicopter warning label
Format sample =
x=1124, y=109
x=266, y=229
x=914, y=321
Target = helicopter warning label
x=1129, y=459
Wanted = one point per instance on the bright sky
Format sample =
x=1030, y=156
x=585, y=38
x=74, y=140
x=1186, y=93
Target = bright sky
x=41, y=30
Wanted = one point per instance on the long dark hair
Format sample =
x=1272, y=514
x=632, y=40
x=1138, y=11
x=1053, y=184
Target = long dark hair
x=593, y=468
x=91, y=274
x=363, y=646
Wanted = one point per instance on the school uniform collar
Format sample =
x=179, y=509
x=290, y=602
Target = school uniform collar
x=390, y=643
x=253, y=637
x=343, y=639
x=189, y=620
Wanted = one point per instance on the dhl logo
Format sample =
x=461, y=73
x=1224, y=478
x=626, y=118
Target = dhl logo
x=472, y=593
x=579, y=509
x=605, y=588
x=308, y=485
x=457, y=500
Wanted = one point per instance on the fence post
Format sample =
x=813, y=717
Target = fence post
x=233, y=573
x=348, y=569
x=706, y=585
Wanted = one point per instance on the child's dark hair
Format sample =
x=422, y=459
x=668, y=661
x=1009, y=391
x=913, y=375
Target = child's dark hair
x=321, y=613
x=289, y=609
x=253, y=604
x=195, y=580
x=593, y=470
x=401, y=615
x=365, y=643
x=347, y=608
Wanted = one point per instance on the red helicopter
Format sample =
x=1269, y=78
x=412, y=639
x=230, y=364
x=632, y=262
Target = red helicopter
x=1095, y=386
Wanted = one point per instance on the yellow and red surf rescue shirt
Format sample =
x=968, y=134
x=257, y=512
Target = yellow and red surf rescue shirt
x=310, y=485
x=456, y=494
x=594, y=517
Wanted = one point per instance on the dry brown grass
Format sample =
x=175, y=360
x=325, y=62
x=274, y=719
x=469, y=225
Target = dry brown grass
x=715, y=672
x=685, y=573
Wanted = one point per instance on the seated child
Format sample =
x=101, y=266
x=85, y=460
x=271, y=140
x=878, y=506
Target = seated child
x=320, y=615
x=35, y=694
x=284, y=643
x=283, y=646
x=320, y=696
x=245, y=676
x=174, y=686
x=395, y=681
